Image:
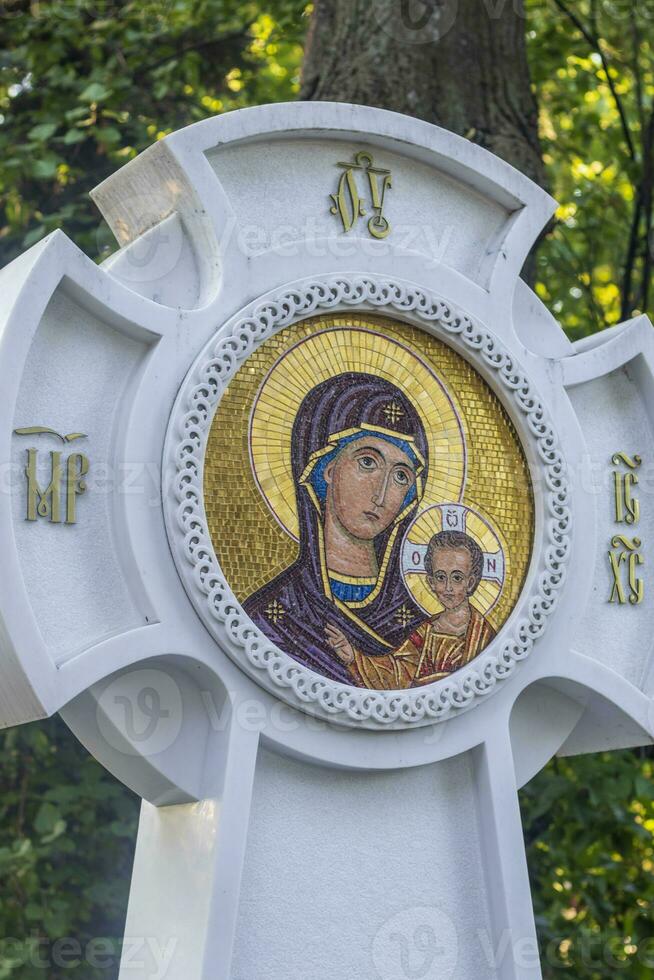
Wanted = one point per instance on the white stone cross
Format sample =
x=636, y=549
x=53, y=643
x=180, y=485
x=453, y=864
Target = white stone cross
x=294, y=825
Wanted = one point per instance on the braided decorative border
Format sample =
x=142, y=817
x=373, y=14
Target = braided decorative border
x=201, y=572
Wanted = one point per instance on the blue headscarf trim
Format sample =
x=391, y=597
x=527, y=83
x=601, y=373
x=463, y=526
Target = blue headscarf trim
x=317, y=478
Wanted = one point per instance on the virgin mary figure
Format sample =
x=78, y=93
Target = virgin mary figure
x=359, y=463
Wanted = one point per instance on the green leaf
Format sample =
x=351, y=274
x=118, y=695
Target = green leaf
x=46, y=819
x=34, y=236
x=108, y=135
x=42, y=132
x=95, y=92
x=45, y=168
x=79, y=113
x=74, y=136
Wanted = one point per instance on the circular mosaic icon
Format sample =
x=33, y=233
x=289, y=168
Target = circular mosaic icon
x=369, y=501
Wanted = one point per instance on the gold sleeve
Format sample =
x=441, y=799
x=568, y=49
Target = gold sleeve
x=390, y=672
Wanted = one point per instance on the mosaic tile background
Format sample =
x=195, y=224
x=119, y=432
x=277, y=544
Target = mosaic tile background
x=251, y=545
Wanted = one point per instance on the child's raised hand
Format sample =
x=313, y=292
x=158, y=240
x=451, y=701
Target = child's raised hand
x=340, y=644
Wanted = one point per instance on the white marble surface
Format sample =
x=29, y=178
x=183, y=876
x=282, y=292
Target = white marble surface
x=620, y=637
x=430, y=212
x=363, y=857
x=77, y=378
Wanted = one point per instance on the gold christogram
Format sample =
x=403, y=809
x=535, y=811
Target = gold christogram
x=627, y=586
x=55, y=501
x=350, y=205
x=253, y=546
x=627, y=507
x=629, y=558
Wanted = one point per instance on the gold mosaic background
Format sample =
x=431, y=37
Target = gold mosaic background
x=251, y=546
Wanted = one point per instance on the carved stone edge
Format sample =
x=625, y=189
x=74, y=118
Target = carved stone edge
x=199, y=567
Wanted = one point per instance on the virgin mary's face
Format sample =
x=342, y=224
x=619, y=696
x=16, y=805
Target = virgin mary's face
x=367, y=485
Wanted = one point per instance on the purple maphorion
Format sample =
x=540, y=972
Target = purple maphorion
x=294, y=608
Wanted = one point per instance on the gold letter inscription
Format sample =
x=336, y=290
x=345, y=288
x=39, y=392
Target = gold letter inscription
x=76, y=469
x=47, y=502
x=43, y=503
x=627, y=511
x=627, y=507
x=349, y=205
x=632, y=558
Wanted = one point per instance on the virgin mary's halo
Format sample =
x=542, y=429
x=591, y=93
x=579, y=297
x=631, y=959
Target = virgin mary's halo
x=340, y=350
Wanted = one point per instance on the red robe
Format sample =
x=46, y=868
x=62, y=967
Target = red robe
x=426, y=656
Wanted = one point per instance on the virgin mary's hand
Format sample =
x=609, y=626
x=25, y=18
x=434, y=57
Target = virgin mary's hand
x=340, y=644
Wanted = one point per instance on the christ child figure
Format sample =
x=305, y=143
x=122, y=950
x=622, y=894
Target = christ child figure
x=454, y=565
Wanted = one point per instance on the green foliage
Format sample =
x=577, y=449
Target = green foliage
x=86, y=85
x=592, y=63
x=589, y=825
x=66, y=844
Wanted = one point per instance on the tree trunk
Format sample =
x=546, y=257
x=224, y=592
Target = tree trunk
x=461, y=64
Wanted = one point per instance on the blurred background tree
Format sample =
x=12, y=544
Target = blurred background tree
x=593, y=70
x=85, y=85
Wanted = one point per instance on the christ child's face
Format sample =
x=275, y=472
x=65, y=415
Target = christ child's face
x=451, y=580
x=367, y=485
